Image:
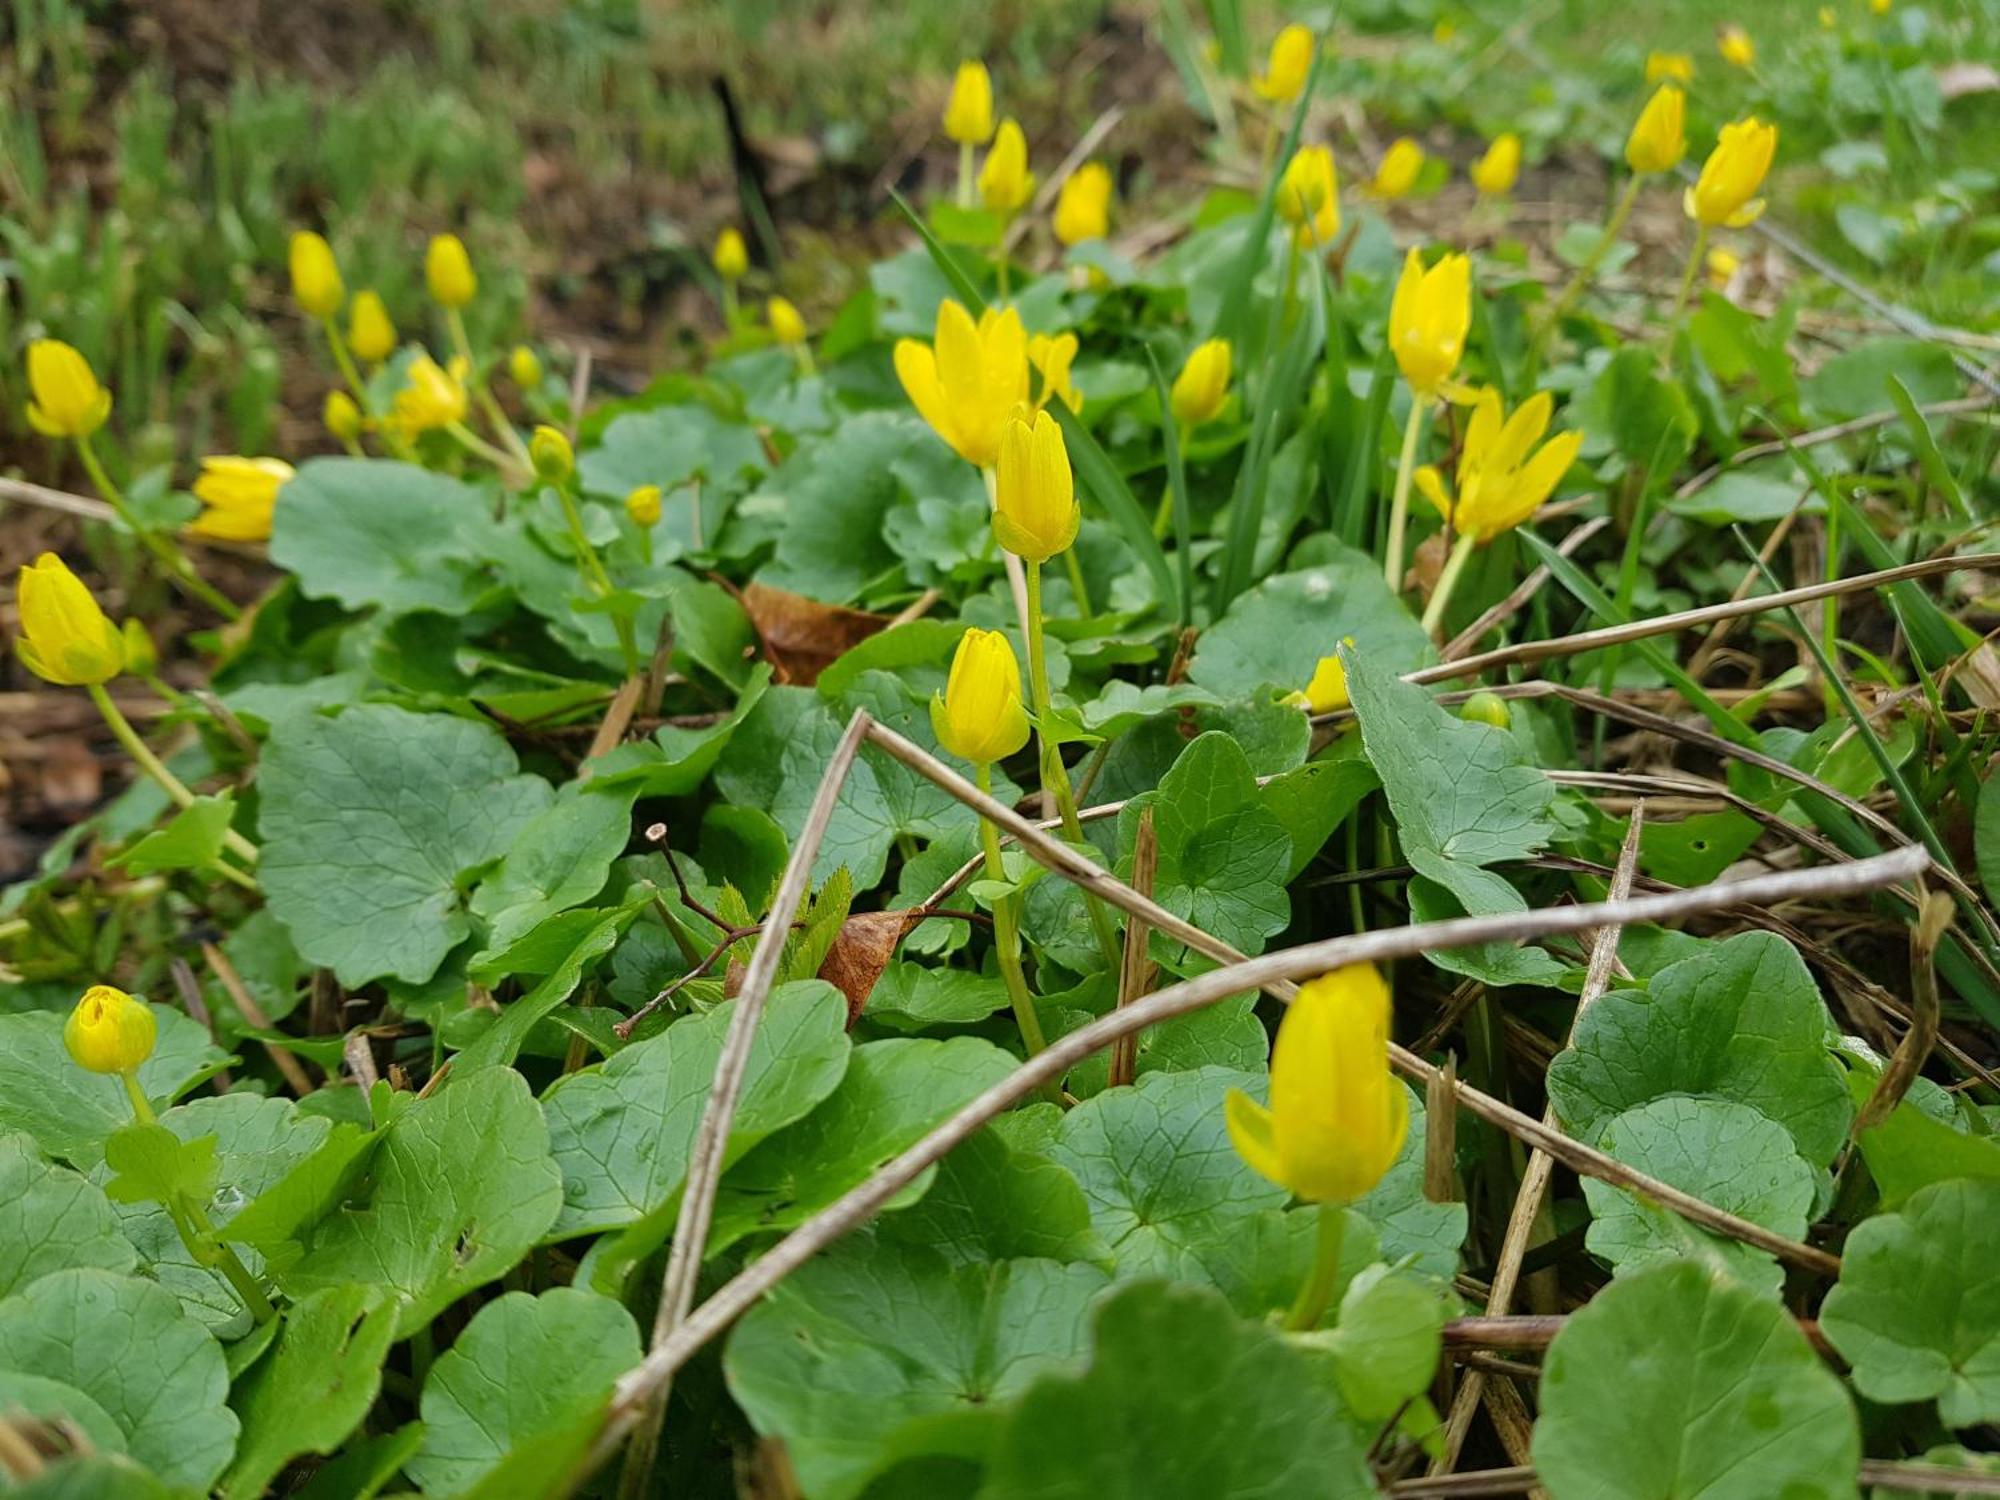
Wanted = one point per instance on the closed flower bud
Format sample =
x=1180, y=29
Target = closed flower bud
x=109, y=1031
x=448, y=271
x=142, y=657
x=1659, y=139
x=1337, y=1116
x=1035, y=513
x=1290, y=65
x=1669, y=67
x=1495, y=173
x=979, y=717
x=435, y=396
x=1734, y=43
x=1502, y=477
x=1429, y=318
x=787, y=326
x=1005, y=183
x=66, y=400
x=1203, y=384
x=65, y=638
x=316, y=283
x=342, y=416
x=1083, y=209
x=643, y=506
x=1308, y=196
x=1485, y=708
x=1722, y=267
x=968, y=382
x=1726, y=191
x=240, y=495
x=370, y=334
x=524, y=367
x=1398, y=172
x=968, y=114
x=731, y=257
x=549, y=451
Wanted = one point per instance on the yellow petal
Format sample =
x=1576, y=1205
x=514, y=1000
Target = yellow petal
x=1252, y=1133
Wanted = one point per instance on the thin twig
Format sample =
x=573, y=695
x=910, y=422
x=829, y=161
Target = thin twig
x=1523, y=591
x=1902, y=1069
x=232, y=983
x=1819, y=435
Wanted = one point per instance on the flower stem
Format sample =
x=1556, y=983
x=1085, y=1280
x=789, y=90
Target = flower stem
x=1007, y=934
x=965, y=174
x=142, y=756
x=476, y=379
x=169, y=556
x=1317, y=1291
x=1399, y=502
x=1687, y=285
x=597, y=577
x=1461, y=553
x=344, y=361
x=1581, y=280
x=142, y=1107
x=731, y=313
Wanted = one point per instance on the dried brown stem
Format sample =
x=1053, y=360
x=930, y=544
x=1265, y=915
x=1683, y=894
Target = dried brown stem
x=1934, y=916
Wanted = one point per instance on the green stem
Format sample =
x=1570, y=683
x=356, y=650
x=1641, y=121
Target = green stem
x=1291, y=278
x=597, y=577
x=1000, y=260
x=1007, y=933
x=1461, y=554
x=169, y=556
x=1581, y=280
x=1687, y=285
x=142, y=1108
x=1076, y=584
x=965, y=174
x=153, y=766
x=344, y=361
x=476, y=379
x=731, y=312
x=1399, y=502
x=474, y=444
x=1320, y=1282
x=803, y=354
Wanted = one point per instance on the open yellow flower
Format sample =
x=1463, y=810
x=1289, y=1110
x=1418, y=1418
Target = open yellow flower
x=1202, y=385
x=968, y=114
x=1308, y=196
x=731, y=257
x=1429, y=318
x=1502, y=479
x=316, y=283
x=1399, y=168
x=1659, y=136
x=1734, y=43
x=1669, y=67
x=1495, y=173
x=968, y=382
x=109, y=1031
x=448, y=271
x=1291, y=63
x=65, y=399
x=1726, y=191
x=434, y=397
x=1338, y=1115
x=370, y=333
x=1051, y=358
x=65, y=638
x=1083, y=208
x=1005, y=183
x=979, y=716
x=1035, y=514
x=240, y=495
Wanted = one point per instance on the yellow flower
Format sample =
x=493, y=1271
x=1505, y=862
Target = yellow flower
x=316, y=283
x=968, y=114
x=109, y=1031
x=434, y=397
x=550, y=453
x=1291, y=61
x=66, y=399
x=1337, y=1116
x=1669, y=67
x=643, y=506
x=370, y=334
x=524, y=367
x=1734, y=43
x=1827, y=19
x=787, y=326
x=342, y=416
x=1659, y=137
x=1035, y=514
x=1726, y=191
x=1494, y=174
x=1083, y=208
x=1444, y=31
x=65, y=638
x=240, y=494
x=1429, y=318
x=730, y=257
x=969, y=381
x=1879, y=7
x=1309, y=196
x=142, y=657
x=1005, y=183
x=448, y=271
x=1398, y=172
x=1326, y=690
x=1499, y=484
x=1203, y=384
x=1722, y=267
x=1050, y=358
x=979, y=717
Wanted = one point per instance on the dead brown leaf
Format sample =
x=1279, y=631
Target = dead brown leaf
x=802, y=636
x=866, y=943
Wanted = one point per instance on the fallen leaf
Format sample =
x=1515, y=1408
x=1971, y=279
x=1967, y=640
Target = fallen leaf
x=802, y=637
x=866, y=943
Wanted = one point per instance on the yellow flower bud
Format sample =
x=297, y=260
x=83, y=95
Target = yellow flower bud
x=448, y=271
x=979, y=717
x=1499, y=484
x=1051, y=359
x=1035, y=513
x=1734, y=43
x=1202, y=385
x=65, y=638
x=109, y=1031
x=787, y=325
x=1485, y=708
x=1398, y=172
x=1429, y=318
x=1005, y=183
x=1308, y=196
x=1669, y=67
x=240, y=495
x=142, y=657
x=1083, y=209
x=730, y=257
x=1726, y=191
x=1722, y=267
x=316, y=283
x=435, y=396
x=1879, y=7
x=970, y=380
x=549, y=451
x=342, y=416
x=370, y=334
x=1291, y=63
x=66, y=400
x=524, y=367
x=1495, y=173
x=643, y=506
x=968, y=114
x=1659, y=139
x=1338, y=1115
